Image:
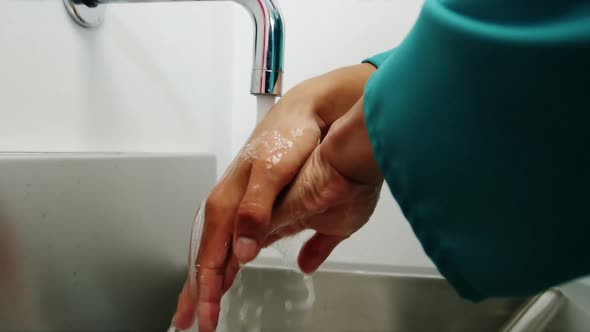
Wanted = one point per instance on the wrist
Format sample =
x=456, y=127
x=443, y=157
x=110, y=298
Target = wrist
x=347, y=148
x=343, y=88
x=331, y=95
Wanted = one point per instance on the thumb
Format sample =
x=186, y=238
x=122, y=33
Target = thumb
x=316, y=250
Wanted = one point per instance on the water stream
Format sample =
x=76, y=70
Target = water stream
x=251, y=308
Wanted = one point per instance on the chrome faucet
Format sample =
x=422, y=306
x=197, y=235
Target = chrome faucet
x=267, y=67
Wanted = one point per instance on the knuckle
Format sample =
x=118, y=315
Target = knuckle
x=323, y=189
x=308, y=196
x=214, y=199
x=281, y=171
x=252, y=213
x=273, y=172
x=210, y=205
x=336, y=187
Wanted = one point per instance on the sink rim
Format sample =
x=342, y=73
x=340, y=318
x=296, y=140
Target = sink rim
x=356, y=268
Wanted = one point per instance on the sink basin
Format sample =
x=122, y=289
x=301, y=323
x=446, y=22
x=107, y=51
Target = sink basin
x=98, y=243
x=272, y=299
x=348, y=298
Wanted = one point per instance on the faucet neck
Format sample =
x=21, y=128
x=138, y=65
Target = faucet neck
x=269, y=32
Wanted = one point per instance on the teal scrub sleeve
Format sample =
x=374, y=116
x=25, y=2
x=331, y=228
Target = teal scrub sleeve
x=378, y=59
x=482, y=131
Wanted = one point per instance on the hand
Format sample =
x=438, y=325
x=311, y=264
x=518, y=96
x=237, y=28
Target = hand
x=334, y=194
x=239, y=207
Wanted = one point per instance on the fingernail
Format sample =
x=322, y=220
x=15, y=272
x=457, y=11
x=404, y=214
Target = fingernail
x=246, y=249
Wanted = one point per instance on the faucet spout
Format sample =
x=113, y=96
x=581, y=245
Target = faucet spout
x=269, y=32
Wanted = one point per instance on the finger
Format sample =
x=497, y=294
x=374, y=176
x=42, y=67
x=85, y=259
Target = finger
x=279, y=163
x=231, y=270
x=185, y=310
x=316, y=250
x=213, y=255
x=214, y=249
x=253, y=217
x=282, y=233
x=272, y=238
x=208, y=313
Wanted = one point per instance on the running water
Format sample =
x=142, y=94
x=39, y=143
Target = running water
x=195, y=242
x=263, y=104
x=251, y=308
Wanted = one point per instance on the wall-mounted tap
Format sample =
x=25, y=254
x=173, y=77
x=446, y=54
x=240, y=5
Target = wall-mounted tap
x=267, y=68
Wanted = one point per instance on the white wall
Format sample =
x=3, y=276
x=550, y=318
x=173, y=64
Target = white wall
x=154, y=78
x=322, y=35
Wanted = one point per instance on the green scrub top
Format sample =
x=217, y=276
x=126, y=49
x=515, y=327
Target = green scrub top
x=480, y=123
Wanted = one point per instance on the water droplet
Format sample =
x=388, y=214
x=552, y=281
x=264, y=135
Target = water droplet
x=267, y=294
x=288, y=305
x=243, y=312
x=297, y=132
